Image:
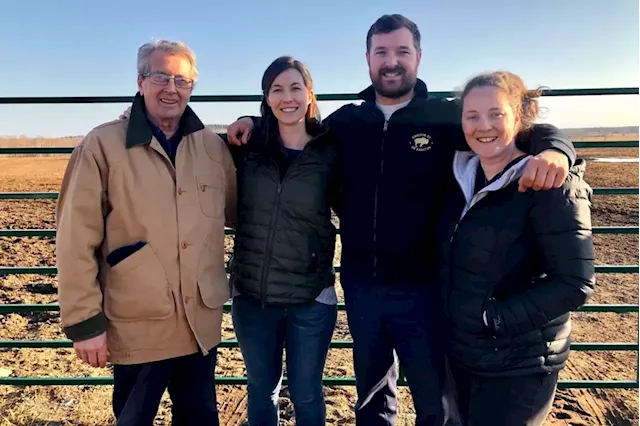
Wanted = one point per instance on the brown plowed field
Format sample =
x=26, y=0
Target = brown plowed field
x=86, y=405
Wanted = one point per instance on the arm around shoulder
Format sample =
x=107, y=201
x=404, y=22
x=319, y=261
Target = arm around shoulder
x=342, y=115
x=542, y=137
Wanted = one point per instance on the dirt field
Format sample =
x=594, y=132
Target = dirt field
x=599, y=137
x=85, y=405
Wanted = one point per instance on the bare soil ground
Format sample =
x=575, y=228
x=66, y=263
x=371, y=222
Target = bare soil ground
x=599, y=137
x=87, y=405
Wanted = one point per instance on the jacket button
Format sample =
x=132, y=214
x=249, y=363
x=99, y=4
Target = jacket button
x=184, y=245
x=179, y=191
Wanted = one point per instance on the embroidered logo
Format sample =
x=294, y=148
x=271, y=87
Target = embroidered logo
x=421, y=142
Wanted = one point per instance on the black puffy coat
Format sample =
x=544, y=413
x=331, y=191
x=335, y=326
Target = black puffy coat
x=285, y=240
x=394, y=179
x=526, y=259
x=394, y=176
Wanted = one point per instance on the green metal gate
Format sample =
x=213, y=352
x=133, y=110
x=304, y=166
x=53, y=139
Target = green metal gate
x=339, y=344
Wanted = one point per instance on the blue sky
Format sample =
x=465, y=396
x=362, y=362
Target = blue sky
x=88, y=48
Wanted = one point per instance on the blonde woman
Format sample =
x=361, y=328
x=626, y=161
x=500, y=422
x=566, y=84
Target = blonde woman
x=514, y=264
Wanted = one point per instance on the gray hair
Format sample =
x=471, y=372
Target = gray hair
x=170, y=47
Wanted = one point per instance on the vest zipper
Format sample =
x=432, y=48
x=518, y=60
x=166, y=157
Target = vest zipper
x=267, y=259
x=272, y=224
x=375, y=202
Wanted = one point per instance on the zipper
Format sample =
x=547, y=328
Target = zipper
x=447, y=303
x=475, y=200
x=272, y=223
x=451, y=248
x=453, y=234
x=467, y=206
x=267, y=258
x=375, y=202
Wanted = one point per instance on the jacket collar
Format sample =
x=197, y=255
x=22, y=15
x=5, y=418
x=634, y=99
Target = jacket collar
x=420, y=91
x=139, y=130
x=465, y=167
x=318, y=131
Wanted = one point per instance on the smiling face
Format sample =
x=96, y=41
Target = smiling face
x=289, y=98
x=165, y=102
x=489, y=122
x=393, y=63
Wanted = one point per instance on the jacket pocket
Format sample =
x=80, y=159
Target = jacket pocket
x=210, y=195
x=121, y=253
x=137, y=288
x=214, y=293
x=318, y=258
x=495, y=355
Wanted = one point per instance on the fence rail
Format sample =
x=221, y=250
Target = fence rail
x=327, y=381
x=335, y=344
x=26, y=308
x=50, y=233
x=257, y=98
x=69, y=150
x=54, y=195
x=52, y=270
x=622, y=309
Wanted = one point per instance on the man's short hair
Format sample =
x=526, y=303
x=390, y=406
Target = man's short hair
x=170, y=47
x=388, y=23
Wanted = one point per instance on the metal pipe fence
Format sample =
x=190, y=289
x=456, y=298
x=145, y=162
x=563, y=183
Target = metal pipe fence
x=25, y=309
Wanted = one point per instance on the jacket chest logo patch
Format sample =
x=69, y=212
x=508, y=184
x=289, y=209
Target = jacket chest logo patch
x=421, y=142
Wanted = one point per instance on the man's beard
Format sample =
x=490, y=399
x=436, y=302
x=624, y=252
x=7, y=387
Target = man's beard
x=406, y=83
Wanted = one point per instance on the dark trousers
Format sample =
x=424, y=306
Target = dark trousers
x=504, y=401
x=138, y=389
x=401, y=318
x=263, y=333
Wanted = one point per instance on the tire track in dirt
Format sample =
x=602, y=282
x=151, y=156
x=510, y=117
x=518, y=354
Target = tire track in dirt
x=232, y=406
x=577, y=407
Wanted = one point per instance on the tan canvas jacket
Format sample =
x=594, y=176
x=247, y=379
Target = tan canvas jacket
x=163, y=299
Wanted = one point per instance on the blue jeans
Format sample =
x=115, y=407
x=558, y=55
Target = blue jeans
x=305, y=331
x=389, y=321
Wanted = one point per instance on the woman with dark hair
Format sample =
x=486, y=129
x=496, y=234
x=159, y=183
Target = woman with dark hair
x=282, y=268
x=514, y=264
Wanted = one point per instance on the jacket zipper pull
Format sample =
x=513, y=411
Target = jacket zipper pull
x=386, y=124
x=455, y=229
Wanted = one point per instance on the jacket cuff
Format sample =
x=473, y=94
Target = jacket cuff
x=87, y=329
x=256, y=119
x=253, y=118
x=570, y=153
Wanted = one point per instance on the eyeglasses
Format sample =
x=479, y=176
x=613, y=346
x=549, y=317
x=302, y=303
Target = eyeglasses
x=162, y=79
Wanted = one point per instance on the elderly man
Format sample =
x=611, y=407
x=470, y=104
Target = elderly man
x=140, y=245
